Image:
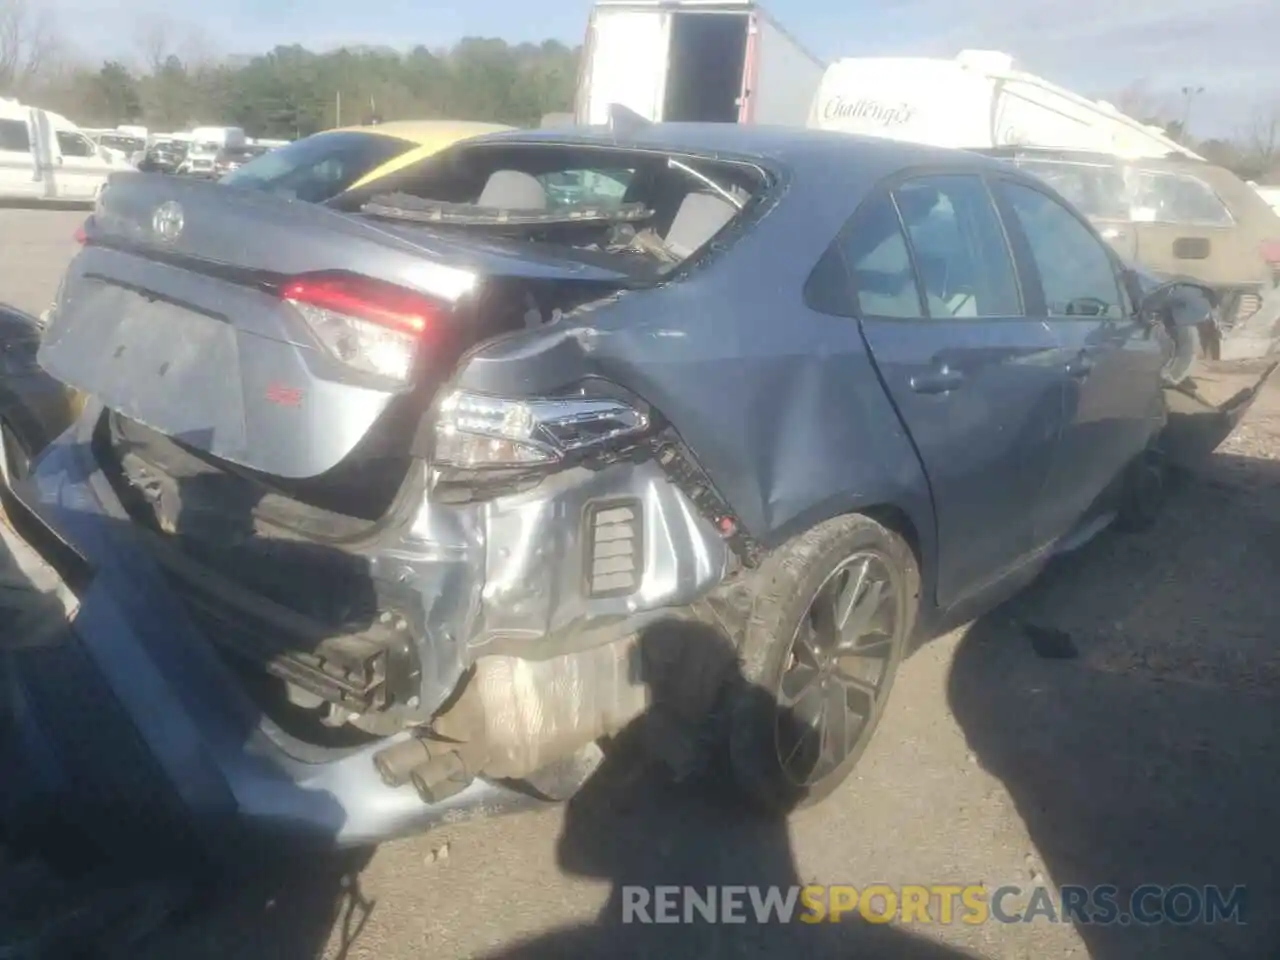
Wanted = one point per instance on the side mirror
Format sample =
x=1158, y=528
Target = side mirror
x=1179, y=303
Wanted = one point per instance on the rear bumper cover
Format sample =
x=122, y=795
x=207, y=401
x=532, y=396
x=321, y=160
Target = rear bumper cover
x=502, y=577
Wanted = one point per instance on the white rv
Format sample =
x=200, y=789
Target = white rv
x=979, y=100
x=46, y=157
x=719, y=61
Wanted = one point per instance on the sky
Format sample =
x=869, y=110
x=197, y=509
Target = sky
x=1097, y=47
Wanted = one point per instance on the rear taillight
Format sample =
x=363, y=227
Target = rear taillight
x=478, y=432
x=370, y=325
x=81, y=236
x=1270, y=251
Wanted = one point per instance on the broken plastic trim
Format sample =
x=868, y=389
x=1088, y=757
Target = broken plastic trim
x=683, y=471
x=402, y=206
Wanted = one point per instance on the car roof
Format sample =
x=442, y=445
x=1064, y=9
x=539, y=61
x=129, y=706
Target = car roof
x=792, y=146
x=425, y=131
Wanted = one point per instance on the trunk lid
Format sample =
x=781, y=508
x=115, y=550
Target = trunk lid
x=182, y=313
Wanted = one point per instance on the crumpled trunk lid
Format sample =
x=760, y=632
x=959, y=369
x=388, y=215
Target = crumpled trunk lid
x=174, y=315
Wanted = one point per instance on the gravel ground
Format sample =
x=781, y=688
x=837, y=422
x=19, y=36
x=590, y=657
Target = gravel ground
x=1148, y=758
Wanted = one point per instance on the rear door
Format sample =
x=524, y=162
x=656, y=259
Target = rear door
x=1112, y=360
x=977, y=383
x=628, y=51
x=19, y=174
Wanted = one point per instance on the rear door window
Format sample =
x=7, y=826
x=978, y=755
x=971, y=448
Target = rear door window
x=959, y=247
x=879, y=267
x=1076, y=269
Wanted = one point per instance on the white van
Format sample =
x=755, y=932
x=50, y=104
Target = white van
x=44, y=156
x=978, y=100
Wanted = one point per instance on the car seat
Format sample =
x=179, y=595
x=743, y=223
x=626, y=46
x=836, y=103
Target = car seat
x=513, y=190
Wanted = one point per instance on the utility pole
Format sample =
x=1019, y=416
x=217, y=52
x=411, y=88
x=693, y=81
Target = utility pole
x=337, y=109
x=1188, y=94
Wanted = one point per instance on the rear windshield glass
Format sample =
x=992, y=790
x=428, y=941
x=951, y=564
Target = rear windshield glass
x=646, y=210
x=1163, y=197
x=319, y=167
x=1095, y=189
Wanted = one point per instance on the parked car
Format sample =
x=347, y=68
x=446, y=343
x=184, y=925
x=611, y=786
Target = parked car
x=325, y=165
x=34, y=407
x=1179, y=216
x=230, y=159
x=386, y=509
x=166, y=156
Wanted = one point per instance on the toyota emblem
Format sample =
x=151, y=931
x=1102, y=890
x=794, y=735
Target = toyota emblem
x=167, y=221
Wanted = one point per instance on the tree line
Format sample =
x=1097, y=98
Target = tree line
x=288, y=92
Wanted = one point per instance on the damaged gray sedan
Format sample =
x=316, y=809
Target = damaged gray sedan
x=375, y=509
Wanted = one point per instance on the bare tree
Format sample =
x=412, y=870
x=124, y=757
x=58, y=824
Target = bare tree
x=161, y=38
x=1137, y=100
x=156, y=43
x=28, y=41
x=1262, y=139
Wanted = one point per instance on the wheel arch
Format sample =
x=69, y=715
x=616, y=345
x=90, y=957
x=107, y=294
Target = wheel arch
x=912, y=521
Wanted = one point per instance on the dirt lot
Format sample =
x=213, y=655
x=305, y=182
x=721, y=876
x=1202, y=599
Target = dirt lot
x=1149, y=758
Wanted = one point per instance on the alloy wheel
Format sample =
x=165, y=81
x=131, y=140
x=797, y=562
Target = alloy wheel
x=837, y=669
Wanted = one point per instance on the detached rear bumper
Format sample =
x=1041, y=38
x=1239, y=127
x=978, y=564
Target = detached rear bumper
x=131, y=714
x=124, y=722
x=1211, y=403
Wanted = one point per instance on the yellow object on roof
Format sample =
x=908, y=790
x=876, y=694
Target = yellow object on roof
x=431, y=136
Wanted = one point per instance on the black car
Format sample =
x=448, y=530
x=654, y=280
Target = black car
x=34, y=407
x=164, y=158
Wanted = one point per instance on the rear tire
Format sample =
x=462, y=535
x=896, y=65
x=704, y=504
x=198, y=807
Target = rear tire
x=862, y=574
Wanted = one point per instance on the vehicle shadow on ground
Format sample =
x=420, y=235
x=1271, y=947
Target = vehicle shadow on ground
x=641, y=826
x=1128, y=702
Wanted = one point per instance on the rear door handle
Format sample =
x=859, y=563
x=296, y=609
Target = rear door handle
x=942, y=380
x=1080, y=366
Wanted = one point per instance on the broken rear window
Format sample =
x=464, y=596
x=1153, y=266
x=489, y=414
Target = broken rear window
x=653, y=206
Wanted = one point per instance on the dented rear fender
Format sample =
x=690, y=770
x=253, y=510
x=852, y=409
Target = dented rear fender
x=781, y=407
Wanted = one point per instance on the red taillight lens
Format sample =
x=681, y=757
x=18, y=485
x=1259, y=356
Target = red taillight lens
x=364, y=299
x=371, y=325
x=1270, y=251
x=81, y=236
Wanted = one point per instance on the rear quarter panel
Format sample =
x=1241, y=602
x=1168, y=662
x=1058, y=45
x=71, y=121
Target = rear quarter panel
x=781, y=405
